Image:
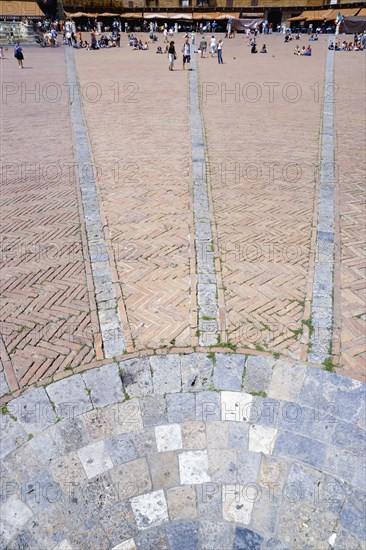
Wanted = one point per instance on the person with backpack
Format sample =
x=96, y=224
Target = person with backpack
x=18, y=54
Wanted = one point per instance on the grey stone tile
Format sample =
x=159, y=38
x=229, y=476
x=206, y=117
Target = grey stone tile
x=183, y=534
x=193, y=467
x=166, y=373
x=118, y=523
x=308, y=422
x=69, y=435
x=223, y=466
x=196, y=372
x=258, y=373
x=152, y=539
x=274, y=544
x=340, y=463
x=154, y=410
x=286, y=381
x=302, y=484
x=168, y=438
x=99, y=494
x=12, y=435
x=208, y=406
x=136, y=376
x=265, y=510
x=332, y=395
x=298, y=447
x=105, y=385
x=193, y=435
x=181, y=407
x=44, y=447
x=16, y=513
x=302, y=526
x=248, y=466
x=164, y=470
x=23, y=541
x=48, y=528
x=331, y=494
x=346, y=540
x=132, y=478
x=359, y=478
x=23, y=463
x=144, y=441
x=247, y=539
x=229, y=371
x=182, y=503
x=209, y=501
x=273, y=473
x=40, y=491
x=121, y=449
x=350, y=438
x=90, y=538
x=67, y=470
x=70, y=397
x=267, y=412
x=215, y=534
x=33, y=411
x=217, y=434
x=352, y=516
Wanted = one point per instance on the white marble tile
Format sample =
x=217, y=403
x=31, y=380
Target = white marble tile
x=193, y=467
x=95, y=459
x=235, y=406
x=262, y=439
x=150, y=509
x=168, y=438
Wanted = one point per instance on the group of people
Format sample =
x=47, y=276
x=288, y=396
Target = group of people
x=186, y=51
x=303, y=51
x=347, y=46
x=253, y=46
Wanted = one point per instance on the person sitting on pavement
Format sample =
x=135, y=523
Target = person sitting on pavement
x=308, y=51
x=297, y=51
x=264, y=49
x=253, y=49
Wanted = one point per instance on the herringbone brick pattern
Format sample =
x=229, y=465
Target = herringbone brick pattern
x=351, y=142
x=262, y=125
x=45, y=309
x=140, y=143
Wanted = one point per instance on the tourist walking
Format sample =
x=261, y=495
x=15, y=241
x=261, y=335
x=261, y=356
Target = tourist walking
x=219, y=52
x=203, y=46
x=186, y=53
x=18, y=54
x=213, y=46
x=171, y=55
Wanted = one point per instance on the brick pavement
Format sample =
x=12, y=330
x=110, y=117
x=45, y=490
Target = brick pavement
x=140, y=141
x=47, y=304
x=349, y=341
x=263, y=146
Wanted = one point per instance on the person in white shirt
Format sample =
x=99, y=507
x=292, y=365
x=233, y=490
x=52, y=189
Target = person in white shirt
x=213, y=46
x=219, y=52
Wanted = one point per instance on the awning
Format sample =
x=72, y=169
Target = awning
x=132, y=15
x=346, y=12
x=108, y=14
x=20, y=9
x=80, y=14
x=314, y=15
x=209, y=16
x=186, y=16
x=318, y=15
x=362, y=12
x=301, y=17
x=227, y=15
x=156, y=16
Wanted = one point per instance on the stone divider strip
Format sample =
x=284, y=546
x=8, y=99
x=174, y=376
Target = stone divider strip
x=105, y=294
x=322, y=304
x=206, y=274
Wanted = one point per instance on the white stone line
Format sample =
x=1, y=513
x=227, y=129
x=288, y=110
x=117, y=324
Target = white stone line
x=322, y=304
x=105, y=295
x=206, y=274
